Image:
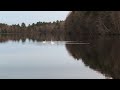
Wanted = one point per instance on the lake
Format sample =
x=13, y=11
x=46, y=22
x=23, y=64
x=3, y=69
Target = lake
x=49, y=59
x=30, y=59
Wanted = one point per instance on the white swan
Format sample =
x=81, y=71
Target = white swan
x=44, y=42
x=52, y=42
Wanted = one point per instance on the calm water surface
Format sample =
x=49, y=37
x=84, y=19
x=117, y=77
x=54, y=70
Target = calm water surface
x=43, y=60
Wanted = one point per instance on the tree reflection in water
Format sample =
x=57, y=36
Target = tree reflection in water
x=33, y=37
x=101, y=54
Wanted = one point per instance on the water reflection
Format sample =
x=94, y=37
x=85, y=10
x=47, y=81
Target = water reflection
x=26, y=57
x=101, y=54
x=30, y=37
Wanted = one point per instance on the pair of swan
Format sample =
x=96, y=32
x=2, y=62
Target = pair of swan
x=46, y=42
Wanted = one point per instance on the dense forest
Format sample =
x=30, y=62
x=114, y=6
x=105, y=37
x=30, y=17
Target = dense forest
x=77, y=22
x=39, y=27
x=82, y=22
x=93, y=23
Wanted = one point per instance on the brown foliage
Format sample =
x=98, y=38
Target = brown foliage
x=93, y=22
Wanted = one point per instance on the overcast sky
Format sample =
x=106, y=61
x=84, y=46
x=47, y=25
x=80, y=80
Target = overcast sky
x=29, y=17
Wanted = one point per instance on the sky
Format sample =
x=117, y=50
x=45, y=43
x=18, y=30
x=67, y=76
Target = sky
x=29, y=17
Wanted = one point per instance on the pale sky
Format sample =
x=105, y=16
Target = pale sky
x=29, y=17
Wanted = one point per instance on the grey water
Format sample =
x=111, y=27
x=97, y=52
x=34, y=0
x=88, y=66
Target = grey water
x=42, y=60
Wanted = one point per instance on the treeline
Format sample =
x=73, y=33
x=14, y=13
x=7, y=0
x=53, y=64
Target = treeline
x=77, y=22
x=39, y=27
